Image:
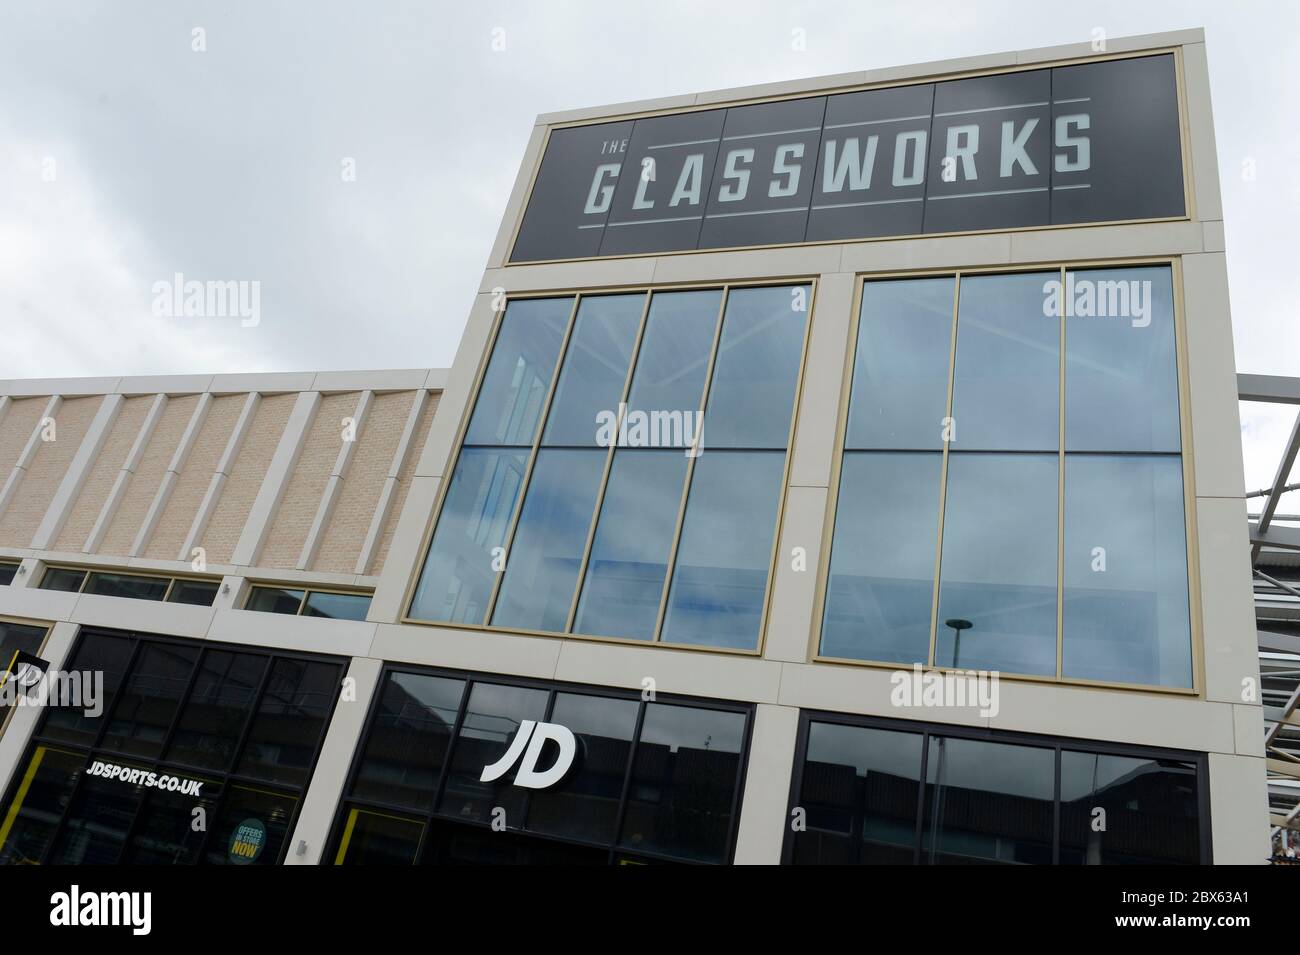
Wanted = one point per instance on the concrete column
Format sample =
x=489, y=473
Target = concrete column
x=763, y=816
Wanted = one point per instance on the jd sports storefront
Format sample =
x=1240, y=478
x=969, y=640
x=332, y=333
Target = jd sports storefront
x=456, y=769
x=201, y=754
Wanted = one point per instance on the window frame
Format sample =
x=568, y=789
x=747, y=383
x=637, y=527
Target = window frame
x=458, y=446
x=171, y=579
x=553, y=688
x=227, y=779
x=307, y=591
x=1185, y=453
x=1058, y=744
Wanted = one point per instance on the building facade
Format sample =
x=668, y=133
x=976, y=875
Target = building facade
x=836, y=471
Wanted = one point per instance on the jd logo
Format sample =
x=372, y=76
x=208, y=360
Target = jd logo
x=534, y=735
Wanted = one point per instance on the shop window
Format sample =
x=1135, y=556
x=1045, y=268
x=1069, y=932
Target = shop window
x=648, y=782
x=562, y=530
x=967, y=448
x=122, y=785
x=1010, y=799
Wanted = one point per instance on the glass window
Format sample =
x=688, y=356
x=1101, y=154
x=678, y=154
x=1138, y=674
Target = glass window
x=586, y=805
x=217, y=708
x=1121, y=366
x=1125, y=605
x=147, y=704
x=16, y=638
x=127, y=585
x=200, y=593
x=165, y=833
x=63, y=578
x=1006, y=390
x=595, y=368
x=1129, y=811
x=725, y=550
x=408, y=738
x=98, y=820
x=751, y=395
x=519, y=373
x=987, y=803
x=634, y=536
x=379, y=838
x=881, y=584
x=859, y=791
x=674, y=355
x=492, y=718
x=252, y=827
x=998, y=564
x=542, y=566
x=290, y=721
x=275, y=600
x=683, y=783
x=95, y=653
x=336, y=606
x=463, y=559
x=900, y=369
x=41, y=798
x=7, y=572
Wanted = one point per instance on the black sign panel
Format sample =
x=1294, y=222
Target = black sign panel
x=1096, y=142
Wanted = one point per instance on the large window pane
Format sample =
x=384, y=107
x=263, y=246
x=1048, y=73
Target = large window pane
x=859, y=791
x=492, y=718
x=674, y=354
x=63, y=578
x=165, y=834
x=519, y=373
x=217, y=708
x=998, y=566
x=584, y=805
x=1121, y=367
x=290, y=721
x=881, y=585
x=459, y=571
x=375, y=838
x=94, y=832
x=127, y=585
x=147, y=703
x=595, y=367
x=684, y=782
x=542, y=566
x=337, y=606
x=252, y=828
x=1149, y=811
x=900, y=370
x=1126, y=612
x=275, y=600
x=199, y=593
x=751, y=394
x=987, y=803
x=42, y=795
x=407, y=741
x=725, y=550
x=95, y=653
x=1006, y=393
x=629, y=555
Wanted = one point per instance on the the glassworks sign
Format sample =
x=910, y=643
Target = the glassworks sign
x=1092, y=142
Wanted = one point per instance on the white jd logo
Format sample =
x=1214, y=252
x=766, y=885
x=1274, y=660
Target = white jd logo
x=528, y=775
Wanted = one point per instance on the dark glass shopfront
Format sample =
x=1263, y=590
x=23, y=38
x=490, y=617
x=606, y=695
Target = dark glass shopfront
x=649, y=781
x=886, y=792
x=201, y=754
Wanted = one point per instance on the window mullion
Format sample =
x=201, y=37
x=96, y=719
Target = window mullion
x=621, y=411
x=509, y=539
x=698, y=449
x=1060, y=496
x=946, y=424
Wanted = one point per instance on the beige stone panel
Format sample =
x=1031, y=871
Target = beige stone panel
x=32, y=499
x=302, y=495
x=103, y=474
x=192, y=484
x=245, y=478
x=15, y=428
x=142, y=487
x=404, y=483
x=359, y=495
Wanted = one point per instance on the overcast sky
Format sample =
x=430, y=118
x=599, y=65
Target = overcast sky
x=127, y=156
